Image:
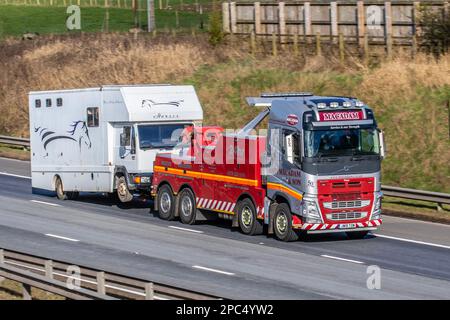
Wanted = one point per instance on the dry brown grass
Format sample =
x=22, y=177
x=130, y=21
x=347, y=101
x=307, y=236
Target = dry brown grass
x=408, y=95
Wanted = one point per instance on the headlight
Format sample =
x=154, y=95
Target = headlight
x=139, y=180
x=145, y=180
x=311, y=212
x=377, y=208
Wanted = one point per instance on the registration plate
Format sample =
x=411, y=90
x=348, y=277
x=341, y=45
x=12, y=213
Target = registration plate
x=347, y=225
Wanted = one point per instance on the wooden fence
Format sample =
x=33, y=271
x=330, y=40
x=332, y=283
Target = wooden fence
x=376, y=22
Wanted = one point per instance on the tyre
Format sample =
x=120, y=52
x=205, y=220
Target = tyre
x=72, y=195
x=186, y=206
x=59, y=189
x=282, y=223
x=248, y=223
x=166, y=203
x=357, y=234
x=123, y=193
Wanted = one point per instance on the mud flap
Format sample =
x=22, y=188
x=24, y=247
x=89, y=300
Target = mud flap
x=175, y=200
x=155, y=203
x=272, y=209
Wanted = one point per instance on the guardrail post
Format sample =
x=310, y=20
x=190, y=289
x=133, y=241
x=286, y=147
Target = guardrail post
x=26, y=291
x=49, y=269
x=2, y=261
x=149, y=292
x=101, y=282
x=439, y=207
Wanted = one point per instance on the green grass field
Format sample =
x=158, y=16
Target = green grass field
x=17, y=20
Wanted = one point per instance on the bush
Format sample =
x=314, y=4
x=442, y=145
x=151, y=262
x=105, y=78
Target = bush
x=215, y=26
x=434, y=33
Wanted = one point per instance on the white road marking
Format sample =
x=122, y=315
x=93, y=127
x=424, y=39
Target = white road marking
x=14, y=175
x=185, y=229
x=60, y=237
x=341, y=259
x=413, y=241
x=84, y=280
x=214, y=270
x=47, y=203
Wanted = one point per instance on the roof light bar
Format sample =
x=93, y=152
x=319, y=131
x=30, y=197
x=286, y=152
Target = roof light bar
x=334, y=104
x=347, y=104
x=321, y=105
x=286, y=94
x=359, y=103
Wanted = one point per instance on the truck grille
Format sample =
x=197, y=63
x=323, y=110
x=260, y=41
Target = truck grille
x=346, y=204
x=346, y=215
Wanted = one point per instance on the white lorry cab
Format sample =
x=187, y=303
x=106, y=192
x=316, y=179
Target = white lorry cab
x=105, y=139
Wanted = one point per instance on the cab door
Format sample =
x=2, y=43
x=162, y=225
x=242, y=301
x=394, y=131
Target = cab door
x=125, y=147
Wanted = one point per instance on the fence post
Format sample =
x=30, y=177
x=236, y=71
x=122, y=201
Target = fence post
x=389, y=46
x=26, y=291
x=296, y=51
x=252, y=43
x=334, y=21
x=274, y=44
x=233, y=17
x=388, y=26
x=307, y=19
x=257, y=10
x=281, y=21
x=318, y=45
x=361, y=22
x=160, y=4
x=341, y=47
x=413, y=46
x=416, y=12
x=49, y=269
x=226, y=17
x=149, y=292
x=106, y=16
x=177, y=20
x=366, y=49
x=101, y=282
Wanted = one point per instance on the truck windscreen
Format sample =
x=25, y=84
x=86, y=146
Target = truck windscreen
x=345, y=142
x=160, y=136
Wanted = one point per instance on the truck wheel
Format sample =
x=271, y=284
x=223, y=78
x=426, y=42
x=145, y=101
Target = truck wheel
x=122, y=190
x=357, y=234
x=60, y=194
x=72, y=195
x=248, y=222
x=282, y=223
x=166, y=203
x=186, y=206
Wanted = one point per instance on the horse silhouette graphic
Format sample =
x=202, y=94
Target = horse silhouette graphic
x=147, y=103
x=79, y=133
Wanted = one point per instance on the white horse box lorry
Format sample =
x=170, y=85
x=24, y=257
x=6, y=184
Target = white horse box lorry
x=105, y=139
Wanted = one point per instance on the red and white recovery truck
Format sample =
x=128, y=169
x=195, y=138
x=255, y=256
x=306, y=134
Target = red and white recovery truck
x=317, y=170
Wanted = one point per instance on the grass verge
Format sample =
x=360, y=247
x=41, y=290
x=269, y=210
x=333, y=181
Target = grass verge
x=14, y=153
x=11, y=290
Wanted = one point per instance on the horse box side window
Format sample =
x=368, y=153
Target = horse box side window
x=59, y=102
x=37, y=103
x=92, y=117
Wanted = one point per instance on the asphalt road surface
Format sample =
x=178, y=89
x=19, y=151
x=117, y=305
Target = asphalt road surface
x=413, y=256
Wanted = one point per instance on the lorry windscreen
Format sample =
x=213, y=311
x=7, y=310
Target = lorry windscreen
x=347, y=142
x=160, y=136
